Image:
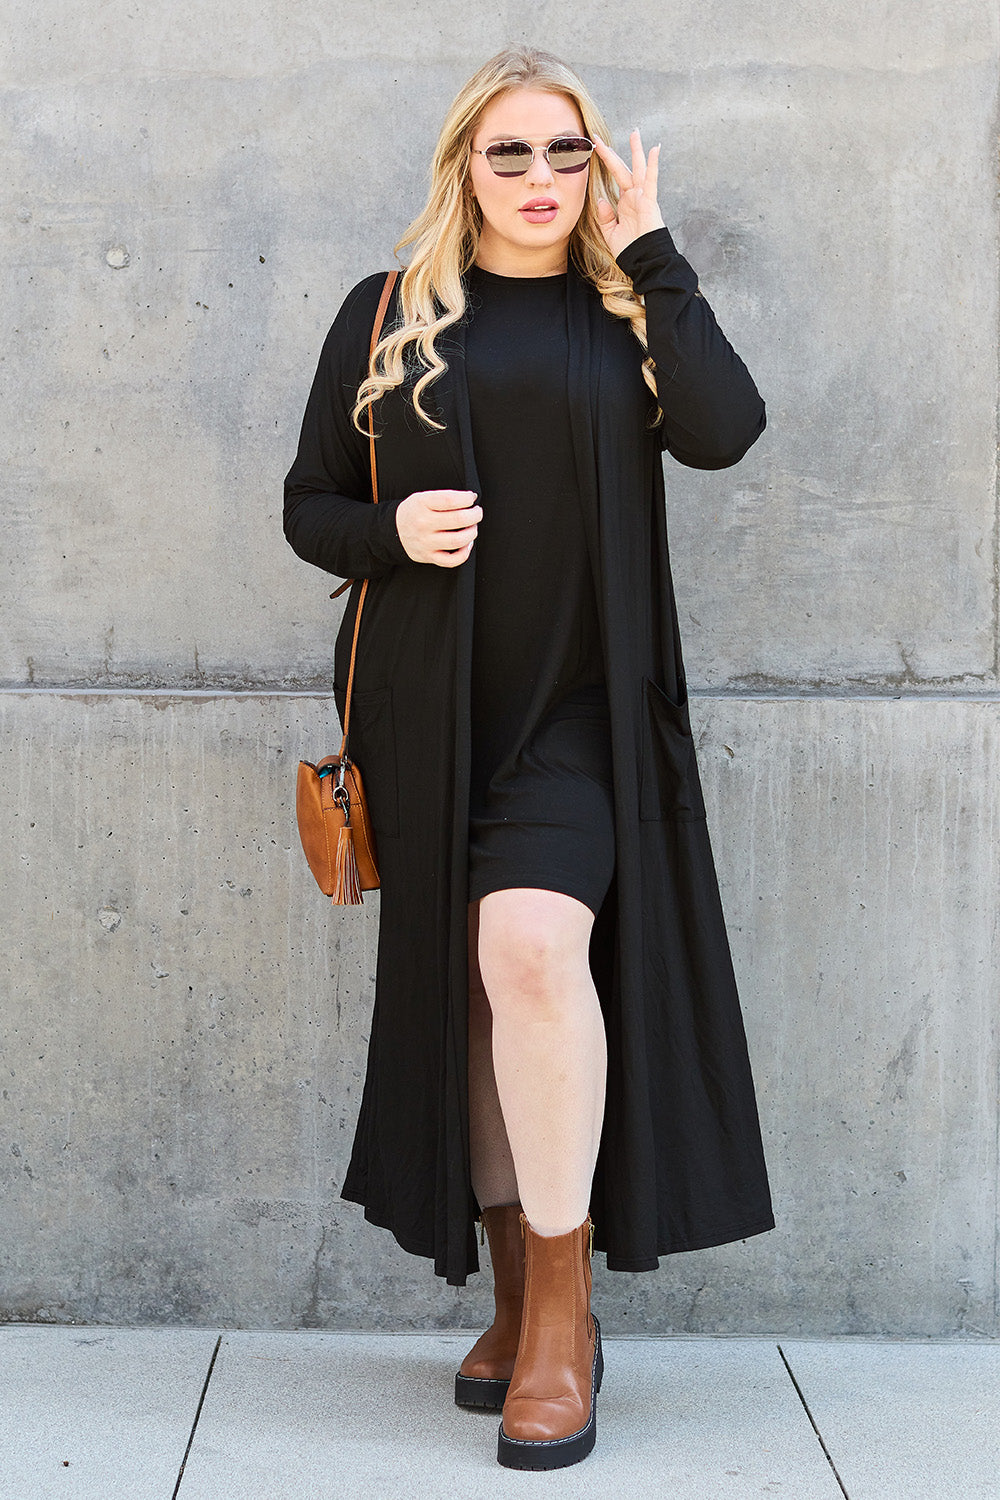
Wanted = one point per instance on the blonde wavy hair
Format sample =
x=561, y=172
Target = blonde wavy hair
x=445, y=236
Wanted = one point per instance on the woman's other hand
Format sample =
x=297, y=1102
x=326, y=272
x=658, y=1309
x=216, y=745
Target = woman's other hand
x=438, y=526
x=638, y=211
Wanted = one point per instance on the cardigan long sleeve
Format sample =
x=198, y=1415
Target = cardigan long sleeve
x=329, y=519
x=712, y=411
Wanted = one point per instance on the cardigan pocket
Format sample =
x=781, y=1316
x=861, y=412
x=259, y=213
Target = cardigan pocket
x=372, y=747
x=668, y=780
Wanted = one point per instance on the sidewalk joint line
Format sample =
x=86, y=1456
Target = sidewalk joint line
x=812, y=1419
x=194, y=1424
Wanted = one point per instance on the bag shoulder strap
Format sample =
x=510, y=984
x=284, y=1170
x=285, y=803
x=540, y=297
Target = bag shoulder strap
x=390, y=282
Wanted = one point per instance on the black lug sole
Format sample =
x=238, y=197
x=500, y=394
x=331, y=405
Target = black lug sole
x=557, y=1453
x=480, y=1394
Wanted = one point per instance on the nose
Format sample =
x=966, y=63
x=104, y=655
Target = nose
x=540, y=174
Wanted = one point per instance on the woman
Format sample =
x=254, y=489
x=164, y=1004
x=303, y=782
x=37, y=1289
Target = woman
x=556, y=1028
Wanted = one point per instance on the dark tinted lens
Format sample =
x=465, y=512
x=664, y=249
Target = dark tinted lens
x=509, y=158
x=570, y=154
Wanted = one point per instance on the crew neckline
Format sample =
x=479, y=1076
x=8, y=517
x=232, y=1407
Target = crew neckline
x=533, y=280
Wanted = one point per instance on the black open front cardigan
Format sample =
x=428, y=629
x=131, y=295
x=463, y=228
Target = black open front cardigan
x=681, y=1164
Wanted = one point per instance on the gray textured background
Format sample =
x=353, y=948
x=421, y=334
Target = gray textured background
x=187, y=195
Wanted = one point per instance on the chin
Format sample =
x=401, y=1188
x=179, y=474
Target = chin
x=544, y=239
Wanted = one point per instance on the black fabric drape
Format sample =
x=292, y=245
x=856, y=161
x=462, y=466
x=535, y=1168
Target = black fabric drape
x=681, y=1165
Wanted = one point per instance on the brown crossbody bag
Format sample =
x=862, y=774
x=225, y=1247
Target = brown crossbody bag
x=330, y=803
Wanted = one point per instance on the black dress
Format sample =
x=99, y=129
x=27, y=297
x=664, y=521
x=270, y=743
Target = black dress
x=542, y=801
x=680, y=1165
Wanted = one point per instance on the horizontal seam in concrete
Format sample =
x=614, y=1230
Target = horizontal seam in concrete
x=708, y=693
x=845, y=696
x=718, y=68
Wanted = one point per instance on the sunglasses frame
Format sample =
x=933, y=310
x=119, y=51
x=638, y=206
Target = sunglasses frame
x=516, y=141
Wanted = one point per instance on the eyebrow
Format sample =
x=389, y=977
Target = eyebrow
x=561, y=135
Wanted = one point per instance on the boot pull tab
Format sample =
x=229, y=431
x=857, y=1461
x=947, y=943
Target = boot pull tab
x=523, y=1222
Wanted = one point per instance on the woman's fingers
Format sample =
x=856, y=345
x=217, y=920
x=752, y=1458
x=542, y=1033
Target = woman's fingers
x=451, y=557
x=444, y=507
x=454, y=539
x=638, y=160
x=652, y=172
x=637, y=210
x=614, y=164
x=438, y=526
x=643, y=173
x=445, y=499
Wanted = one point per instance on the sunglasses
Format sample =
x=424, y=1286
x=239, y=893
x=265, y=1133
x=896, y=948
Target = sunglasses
x=570, y=153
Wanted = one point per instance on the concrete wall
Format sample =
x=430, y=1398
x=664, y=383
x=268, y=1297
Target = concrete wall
x=190, y=195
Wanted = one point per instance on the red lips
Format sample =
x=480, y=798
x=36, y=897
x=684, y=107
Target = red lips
x=539, y=211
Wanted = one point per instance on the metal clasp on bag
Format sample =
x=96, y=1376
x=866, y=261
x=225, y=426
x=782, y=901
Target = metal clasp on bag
x=341, y=795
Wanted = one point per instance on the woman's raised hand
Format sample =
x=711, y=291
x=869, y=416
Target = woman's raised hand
x=438, y=526
x=638, y=210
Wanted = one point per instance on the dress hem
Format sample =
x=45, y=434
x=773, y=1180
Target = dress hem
x=715, y=1237
x=707, y=1242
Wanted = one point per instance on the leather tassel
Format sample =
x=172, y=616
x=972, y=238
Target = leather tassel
x=346, y=886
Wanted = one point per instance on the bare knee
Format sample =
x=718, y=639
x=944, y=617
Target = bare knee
x=533, y=951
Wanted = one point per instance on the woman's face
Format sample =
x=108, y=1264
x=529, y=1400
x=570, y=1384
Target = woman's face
x=516, y=240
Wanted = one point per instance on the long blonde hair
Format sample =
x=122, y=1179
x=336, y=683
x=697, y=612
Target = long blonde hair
x=445, y=236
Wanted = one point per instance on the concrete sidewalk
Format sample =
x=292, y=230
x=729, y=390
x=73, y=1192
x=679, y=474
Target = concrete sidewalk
x=149, y=1414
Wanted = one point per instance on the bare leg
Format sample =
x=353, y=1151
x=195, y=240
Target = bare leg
x=549, y=1048
x=493, y=1178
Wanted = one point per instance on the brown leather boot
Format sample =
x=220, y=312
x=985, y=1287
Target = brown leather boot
x=485, y=1372
x=550, y=1414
